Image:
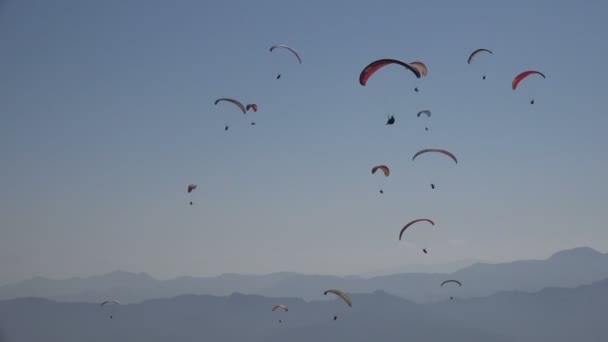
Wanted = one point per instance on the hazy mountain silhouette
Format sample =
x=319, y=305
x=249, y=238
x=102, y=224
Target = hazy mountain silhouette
x=567, y=268
x=553, y=314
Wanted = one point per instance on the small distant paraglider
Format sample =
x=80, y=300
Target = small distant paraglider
x=421, y=68
x=384, y=170
x=451, y=281
x=474, y=54
x=255, y=109
x=281, y=306
x=428, y=114
x=342, y=295
x=109, y=302
x=391, y=120
x=191, y=187
x=288, y=48
x=522, y=76
x=411, y=223
x=233, y=101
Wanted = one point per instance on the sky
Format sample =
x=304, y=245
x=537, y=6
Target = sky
x=107, y=114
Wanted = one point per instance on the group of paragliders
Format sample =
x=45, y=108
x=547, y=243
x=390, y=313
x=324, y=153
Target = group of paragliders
x=520, y=77
x=418, y=69
x=245, y=108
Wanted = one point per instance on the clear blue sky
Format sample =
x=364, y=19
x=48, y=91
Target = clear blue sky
x=106, y=114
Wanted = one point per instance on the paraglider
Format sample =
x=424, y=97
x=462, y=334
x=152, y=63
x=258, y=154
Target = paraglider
x=522, y=76
x=411, y=223
x=342, y=295
x=235, y=102
x=384, y=170
x=437, y=150
x=391, y=120
x=428, y=113
x=191, y=188
x=255, y=109
x=451, y=281
x=280, y=306
x=288, y=48
x=421, y=67
x=109, y=302
x=474, y=54
x=371, y=68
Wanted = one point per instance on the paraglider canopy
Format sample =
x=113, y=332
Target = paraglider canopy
x=371, y=68
x=383, y=168
x=437, y=150
x=340, y=294
x=523, y=75
x=191, y=187
x=281, y=306
x=411, y=223
x=451, y=281
x=237, y=103
x=420, y=66
x=252, y=106
x=109, y=302
x=475, y=53
x=426, y=111
x=288, y=48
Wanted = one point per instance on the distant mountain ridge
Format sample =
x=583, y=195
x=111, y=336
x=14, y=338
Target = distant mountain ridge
x=552, y=314
x=568, y=268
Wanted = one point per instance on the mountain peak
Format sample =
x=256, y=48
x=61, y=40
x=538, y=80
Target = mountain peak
x=579, y=252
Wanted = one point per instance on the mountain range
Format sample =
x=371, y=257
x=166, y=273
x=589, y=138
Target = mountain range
x=552, y=314
x=568, y=268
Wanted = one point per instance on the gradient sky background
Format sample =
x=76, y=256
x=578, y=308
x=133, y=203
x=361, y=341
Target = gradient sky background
x=106, y=114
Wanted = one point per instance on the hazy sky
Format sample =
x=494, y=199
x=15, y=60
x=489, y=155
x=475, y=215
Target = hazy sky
x=106, y=115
